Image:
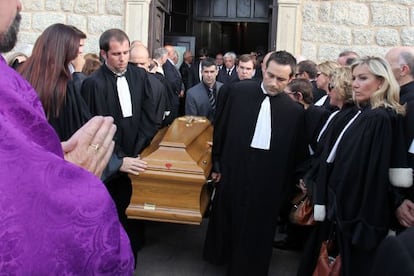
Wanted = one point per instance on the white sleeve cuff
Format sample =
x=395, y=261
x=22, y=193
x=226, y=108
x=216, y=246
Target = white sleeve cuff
x=401, y=177
x=319, y=212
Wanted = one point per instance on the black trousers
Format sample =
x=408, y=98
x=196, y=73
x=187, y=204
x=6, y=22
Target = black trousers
x=120, y=189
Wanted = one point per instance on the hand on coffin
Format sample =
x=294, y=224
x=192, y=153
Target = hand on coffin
x=91, y=146
x=133, y=165
x=405, y=213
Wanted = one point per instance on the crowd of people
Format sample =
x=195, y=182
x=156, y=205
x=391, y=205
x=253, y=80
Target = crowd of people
x=74, y=126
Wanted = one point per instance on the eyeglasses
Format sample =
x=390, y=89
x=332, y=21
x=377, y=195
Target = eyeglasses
x=320, y=73
x=330, y=87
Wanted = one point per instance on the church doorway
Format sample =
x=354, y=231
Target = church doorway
x=221, y=25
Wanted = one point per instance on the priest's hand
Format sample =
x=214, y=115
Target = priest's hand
x=405, y=213
x=91, y=146
x=133, y=165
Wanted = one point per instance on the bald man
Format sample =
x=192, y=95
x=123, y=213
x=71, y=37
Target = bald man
x=174, y=77
x=139, y=56
x=401, y=60
x=185, y=70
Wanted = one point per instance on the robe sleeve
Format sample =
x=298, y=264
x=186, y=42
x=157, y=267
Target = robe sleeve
x=147, y=126
x=220, y=124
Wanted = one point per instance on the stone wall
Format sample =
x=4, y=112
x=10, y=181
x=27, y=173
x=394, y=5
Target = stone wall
x=369, y=27
x=91, y=16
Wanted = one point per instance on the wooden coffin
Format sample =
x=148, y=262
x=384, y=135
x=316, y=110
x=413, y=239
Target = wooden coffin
x=173, y=188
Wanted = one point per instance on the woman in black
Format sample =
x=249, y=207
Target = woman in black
x=368, y=156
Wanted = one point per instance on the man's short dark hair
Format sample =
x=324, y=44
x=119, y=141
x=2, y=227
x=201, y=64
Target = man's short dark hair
x=283, y=58
x=302, y=86
x=110, y=34
x=309, y=67
x=207, y=62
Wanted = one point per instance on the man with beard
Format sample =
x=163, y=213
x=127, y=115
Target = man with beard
x=256, y=158
x=55, y=217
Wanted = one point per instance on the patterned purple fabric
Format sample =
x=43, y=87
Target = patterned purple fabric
x=55, y=218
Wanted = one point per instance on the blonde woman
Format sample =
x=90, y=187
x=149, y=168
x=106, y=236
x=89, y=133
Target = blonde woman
x=323, y=75
x=364, y=160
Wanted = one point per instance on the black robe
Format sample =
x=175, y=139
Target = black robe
x=358, y=185
x=100, y=93
x=172, y=99
x=161, y=103
x=317, y=189
x=315, y=118
x=407, y=93
x=133, y=133
x=255, y=182
x=74, y=112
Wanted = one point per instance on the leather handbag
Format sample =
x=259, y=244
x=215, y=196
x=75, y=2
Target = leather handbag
x=327, y=265
x=302, y=210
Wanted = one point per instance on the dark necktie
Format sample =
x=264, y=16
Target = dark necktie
x=228, y=72
x=212, y=99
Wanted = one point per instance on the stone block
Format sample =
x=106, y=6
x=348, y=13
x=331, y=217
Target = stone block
x=52, y=5
x=407, y=36
x=363, y=36
x=115, y=7
x=33, y=5
x=99, y=24
x=42, y=20
x=78, y=20
x=389, y=15
x=86, y=7
x=67, y=5
x=387, y=37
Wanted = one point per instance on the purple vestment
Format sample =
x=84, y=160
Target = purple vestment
x=55, y=218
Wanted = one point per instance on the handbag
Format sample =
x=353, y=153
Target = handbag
x=327, y=265
x=302, y=210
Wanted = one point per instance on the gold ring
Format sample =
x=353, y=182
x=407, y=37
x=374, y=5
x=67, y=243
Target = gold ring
x=94, y=146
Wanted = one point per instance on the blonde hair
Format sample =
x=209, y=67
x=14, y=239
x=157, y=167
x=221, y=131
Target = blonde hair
x=341, y=79
x=327, y=67
x=388, y=94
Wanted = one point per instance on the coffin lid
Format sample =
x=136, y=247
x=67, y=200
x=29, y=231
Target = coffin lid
x=182, y=147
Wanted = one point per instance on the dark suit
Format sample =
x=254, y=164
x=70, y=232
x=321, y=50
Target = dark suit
x=197, y=102
x=225, y=78
x=317, y=92
x=187, y=75
x=174, y=78
x=160, y=101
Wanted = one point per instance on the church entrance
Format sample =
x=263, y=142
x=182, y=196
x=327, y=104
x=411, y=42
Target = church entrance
x=221, y=25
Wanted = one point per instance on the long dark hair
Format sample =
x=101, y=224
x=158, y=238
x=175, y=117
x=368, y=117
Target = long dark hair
x=47, y=69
